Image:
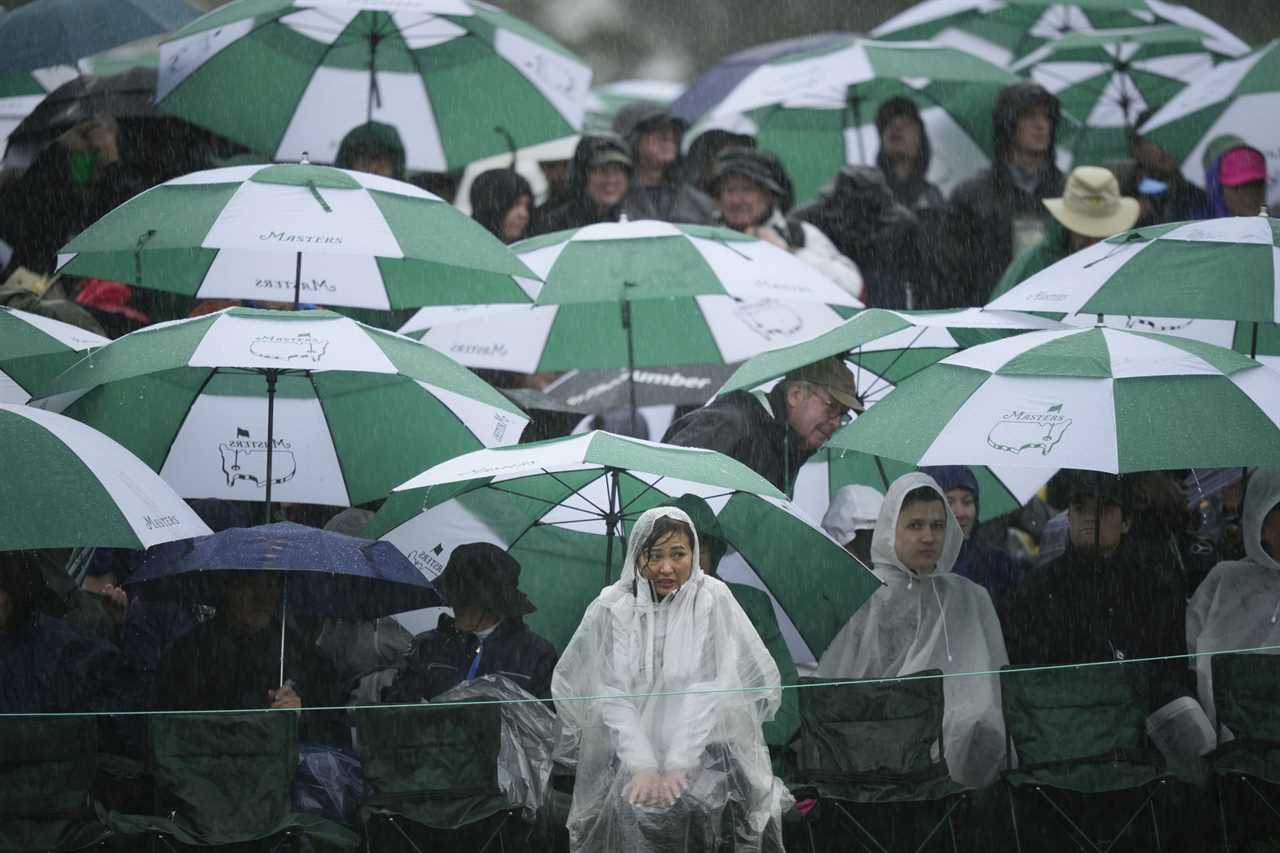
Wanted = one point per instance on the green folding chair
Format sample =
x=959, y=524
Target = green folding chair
x=870, y=753
x=433, y=772
x=225, y=779
x=47, y=767
x=1246, y=692
x=1083, y=757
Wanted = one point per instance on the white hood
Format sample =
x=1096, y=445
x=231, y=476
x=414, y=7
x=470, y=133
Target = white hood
x=883, y=542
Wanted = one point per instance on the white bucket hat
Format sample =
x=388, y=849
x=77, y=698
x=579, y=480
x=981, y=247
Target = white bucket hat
x=1091, y=204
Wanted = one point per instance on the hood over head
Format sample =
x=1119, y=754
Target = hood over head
x=595, y=149
x=763, y=168
x=374, y=138
x=630, y=579
x=1261, y=495
x=495, y=192
x=855, y=507
x=1218, y=148
x=1010, y=104
x=902, y=106
x=638, y=118
x=884, y=550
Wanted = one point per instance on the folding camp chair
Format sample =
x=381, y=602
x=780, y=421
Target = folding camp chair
x=1083, y=756
x=434, y=774
x=1246, y=692
x=871, y=754
x=225, y=779
x=47, y=766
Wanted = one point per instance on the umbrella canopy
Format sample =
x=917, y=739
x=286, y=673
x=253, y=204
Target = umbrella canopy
x=127, y=94
x=598, y=391
x=44, y=33
x=1006, y=32
x=22, y=91
x=1260, y=341
x=559, y=505
x=817, y=110
x=644, y=294
x=458, y=80
x=1240, y=98
x=325, y=573
x=1096, y=399
x=1218, y=269
x=829, y=470
x=356, y=410
x=605, y=101
x=66, y=485
x=34, y=350
x=1107, y=79
x=888, y=345
x=304, y=233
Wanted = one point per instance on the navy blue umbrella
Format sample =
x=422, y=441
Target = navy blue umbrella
x=325, y=573
x=62, y=32
x=710, y=87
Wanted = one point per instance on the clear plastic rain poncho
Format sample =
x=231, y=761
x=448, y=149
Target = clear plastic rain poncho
x=934, y=621
x=680, y=684
x=1238, y=605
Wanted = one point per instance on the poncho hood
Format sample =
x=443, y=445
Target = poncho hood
x=884, y=553
x=1263, y=494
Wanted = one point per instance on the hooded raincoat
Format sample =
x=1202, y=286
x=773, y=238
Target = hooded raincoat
x=934, y=621
x=579, y=210
x=1238, y=604
x=677, y=684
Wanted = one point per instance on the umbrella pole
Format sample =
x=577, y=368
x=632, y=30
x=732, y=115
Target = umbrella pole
x=297, y=282
x=272, y=375
x=631, y=358
x=855, y=103
x=884, y=478
x=611, y=521
x=284, y=615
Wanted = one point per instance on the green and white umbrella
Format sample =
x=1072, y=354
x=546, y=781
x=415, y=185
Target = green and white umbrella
x=829, y=470
x=1006, y=31
x=1095, y=399
x=66, y=486
x=304, y=233
x=1107, y=79
x=562, y=507
x=348, y=411
x=459, y=80
x=816, y=111
x=1260, y=341
x=643, y=294
x=1218, y=269
x=34, y=350
x=888, y=345
x=22, y=91
x=1240, y=98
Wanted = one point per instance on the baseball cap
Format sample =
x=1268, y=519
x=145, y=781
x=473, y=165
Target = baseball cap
x=1242, y=165
x=833, y=375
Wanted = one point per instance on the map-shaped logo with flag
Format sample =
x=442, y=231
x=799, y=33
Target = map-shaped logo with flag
x=1022, y=429
x=244, y=458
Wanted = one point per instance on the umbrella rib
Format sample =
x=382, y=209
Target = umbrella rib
x=603, y=513
x=635, y=515
x=902, y=351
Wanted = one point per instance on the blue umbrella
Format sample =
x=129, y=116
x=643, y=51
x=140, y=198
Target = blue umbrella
x=325, y=573
x=62, y=32
x=710, y=87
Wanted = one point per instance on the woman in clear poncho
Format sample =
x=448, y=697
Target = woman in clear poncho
x=667, y=684
x=925, y=617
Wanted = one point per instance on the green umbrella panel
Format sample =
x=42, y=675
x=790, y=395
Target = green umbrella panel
x=35, y=350
x=556, y=516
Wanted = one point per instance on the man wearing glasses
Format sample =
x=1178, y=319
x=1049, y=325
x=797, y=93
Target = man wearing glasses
x=774, y=433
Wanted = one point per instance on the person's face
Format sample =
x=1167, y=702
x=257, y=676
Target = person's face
x=1033, y=134
x=374, y=164
x=1090, y=520
x=1270, y=532
x=901, y=138
x=250, y=600
x=668, y=563
x=964, y=508
x=922, y=527
x=657, y=147
x=742, y=202
x=607, y=184
x=1153, y=159
x=1246, y=199
x=813, y=414
x=516, y=220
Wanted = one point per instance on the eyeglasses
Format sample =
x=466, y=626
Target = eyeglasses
x=835, y=409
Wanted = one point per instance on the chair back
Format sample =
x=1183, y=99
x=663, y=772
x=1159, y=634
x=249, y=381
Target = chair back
x=437, y=766
x=227, y=777
x=47, y=766
x=1067, y=714
x=874, y=740
x=1246, y=692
